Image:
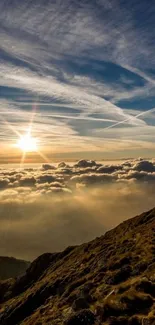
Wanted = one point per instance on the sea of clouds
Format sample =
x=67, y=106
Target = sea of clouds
x=47, y=208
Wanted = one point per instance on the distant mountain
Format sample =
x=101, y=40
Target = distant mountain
x=110, y=280
x=11, y=267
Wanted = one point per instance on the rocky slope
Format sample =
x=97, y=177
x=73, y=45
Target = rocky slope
x=11, y=267
x=110, y=280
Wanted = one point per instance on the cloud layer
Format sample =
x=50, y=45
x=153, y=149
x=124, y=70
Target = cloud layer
x=50, y=207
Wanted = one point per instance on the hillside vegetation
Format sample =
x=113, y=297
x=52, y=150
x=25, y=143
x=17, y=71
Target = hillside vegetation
x=110, y=280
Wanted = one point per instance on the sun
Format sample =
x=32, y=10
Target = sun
x=27, y=143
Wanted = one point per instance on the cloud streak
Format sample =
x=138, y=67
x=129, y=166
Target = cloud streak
x=78, y=62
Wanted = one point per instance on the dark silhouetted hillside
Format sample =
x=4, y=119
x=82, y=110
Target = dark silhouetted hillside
x=11, y=267
x=110, y=280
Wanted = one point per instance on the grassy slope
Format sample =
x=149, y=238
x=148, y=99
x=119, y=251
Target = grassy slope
x=110, y=280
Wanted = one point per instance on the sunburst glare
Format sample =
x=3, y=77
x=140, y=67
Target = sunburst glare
x=27, y=143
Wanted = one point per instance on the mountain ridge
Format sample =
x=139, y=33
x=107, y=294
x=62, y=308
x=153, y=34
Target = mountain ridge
x=110, y=280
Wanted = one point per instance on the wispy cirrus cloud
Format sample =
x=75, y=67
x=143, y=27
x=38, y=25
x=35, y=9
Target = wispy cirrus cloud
x=86, y=65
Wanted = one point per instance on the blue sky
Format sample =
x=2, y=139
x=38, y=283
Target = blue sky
x=85, y=71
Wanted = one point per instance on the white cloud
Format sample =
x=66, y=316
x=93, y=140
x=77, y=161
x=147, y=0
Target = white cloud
x=45, y=50
x=72, y=207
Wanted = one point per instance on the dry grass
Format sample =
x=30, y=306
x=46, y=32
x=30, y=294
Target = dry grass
x=110, y=280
